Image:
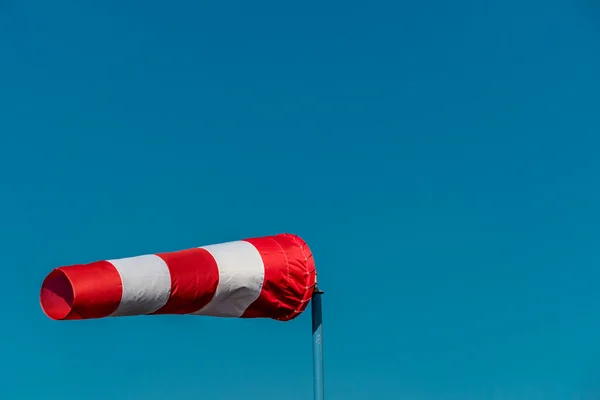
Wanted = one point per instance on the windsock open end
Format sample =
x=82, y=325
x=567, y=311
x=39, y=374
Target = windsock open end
x=56, y=297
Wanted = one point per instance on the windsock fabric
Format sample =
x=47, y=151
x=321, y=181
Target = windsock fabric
x=266, y=277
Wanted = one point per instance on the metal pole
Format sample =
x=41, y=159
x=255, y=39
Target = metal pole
x=317, y=333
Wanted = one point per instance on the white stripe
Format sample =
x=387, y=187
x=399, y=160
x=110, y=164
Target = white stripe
x=146, y=284
x=241, y=276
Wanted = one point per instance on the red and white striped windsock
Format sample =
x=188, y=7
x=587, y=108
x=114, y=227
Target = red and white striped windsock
x=265, y=277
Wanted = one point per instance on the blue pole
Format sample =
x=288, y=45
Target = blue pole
x=317, y=333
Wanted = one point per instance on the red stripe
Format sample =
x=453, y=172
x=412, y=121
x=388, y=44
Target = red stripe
x=82, y=291
x=194, y=280
x=302, y=272
x=269, y=303
x=289, y=277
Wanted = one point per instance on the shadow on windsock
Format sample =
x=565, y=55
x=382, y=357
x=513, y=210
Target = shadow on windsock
x=265, y=277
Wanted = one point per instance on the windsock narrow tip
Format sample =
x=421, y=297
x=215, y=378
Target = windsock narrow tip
x=56, y=297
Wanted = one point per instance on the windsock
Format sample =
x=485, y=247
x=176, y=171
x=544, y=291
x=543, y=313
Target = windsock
x=265, y=277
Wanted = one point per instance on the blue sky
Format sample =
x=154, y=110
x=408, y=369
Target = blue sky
x=440, y=158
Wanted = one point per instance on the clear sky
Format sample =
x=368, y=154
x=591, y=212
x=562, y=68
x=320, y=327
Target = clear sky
x=440, y=158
